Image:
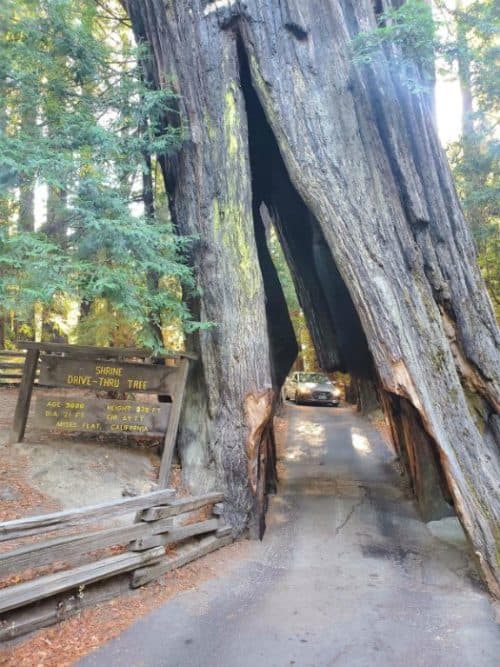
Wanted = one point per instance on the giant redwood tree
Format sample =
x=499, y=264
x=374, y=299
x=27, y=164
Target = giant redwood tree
x=281, y=124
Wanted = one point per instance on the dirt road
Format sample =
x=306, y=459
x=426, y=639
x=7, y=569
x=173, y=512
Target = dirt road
x=346, y=575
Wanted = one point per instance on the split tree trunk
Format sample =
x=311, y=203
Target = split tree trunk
x=386, y=271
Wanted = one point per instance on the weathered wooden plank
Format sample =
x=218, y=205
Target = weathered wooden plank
x=99, y=415
x=88, y=350
x=179, y=506
x=185, y=555
x=58, y=608
x=12, y=353
x=106, y=352
x=24, y=396
x=173, y=424
x=148, y=542
x=107, y=375
x=183, y=532
x=218, y=509
x=173, y=534
x=43, y=587
x=36, y=524
x=71, y=548
x=223, y=530
x=12, y=364
x=52, y=610
x=162, y=526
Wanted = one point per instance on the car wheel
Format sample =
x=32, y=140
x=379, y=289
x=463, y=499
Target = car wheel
x=297, y=399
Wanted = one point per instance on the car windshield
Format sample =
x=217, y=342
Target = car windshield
x=313, y=377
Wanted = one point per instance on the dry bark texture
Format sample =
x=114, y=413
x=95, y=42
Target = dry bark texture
x=360, y=191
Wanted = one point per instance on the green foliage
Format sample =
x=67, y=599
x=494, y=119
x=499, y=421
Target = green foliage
x=475, y=157
x=32, y=269
x=411, y=31
x=307, y=354
x=473, y=42
x=475, y=164
x=465, y=41
x=77, y=121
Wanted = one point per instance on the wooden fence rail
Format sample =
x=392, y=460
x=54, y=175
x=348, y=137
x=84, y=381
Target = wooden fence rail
x=11, y=366
x=85, y=570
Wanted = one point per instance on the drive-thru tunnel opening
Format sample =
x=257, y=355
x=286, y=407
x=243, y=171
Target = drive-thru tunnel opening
x=331, y=317
x=330, y=313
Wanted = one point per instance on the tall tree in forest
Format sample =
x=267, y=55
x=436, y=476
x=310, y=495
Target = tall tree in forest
x=475, y=157
x=347, y=160
x=78, y=123
x=466, y=48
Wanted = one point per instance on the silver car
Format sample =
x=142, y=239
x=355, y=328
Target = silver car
x=311, y=388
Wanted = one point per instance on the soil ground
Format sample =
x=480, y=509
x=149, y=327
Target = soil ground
x=67, y=471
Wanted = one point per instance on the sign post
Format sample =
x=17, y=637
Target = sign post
x=173, y=424
x=24, y=396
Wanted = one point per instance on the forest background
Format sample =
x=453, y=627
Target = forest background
x=88, y=252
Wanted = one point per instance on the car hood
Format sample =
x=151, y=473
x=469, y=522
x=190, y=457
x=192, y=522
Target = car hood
x=317, y=386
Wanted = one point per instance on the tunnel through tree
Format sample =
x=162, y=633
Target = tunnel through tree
x=346, y=162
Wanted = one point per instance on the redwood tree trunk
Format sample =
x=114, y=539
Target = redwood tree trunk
x=387, y=243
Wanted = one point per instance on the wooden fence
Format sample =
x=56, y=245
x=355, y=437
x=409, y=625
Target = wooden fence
x=11, y=366
x=97, y=562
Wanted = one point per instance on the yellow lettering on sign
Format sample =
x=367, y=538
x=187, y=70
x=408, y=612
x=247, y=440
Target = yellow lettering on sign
x=108, y=370
x=109, y=382
x=119, y=408
x=132, y=418
x=91, y=427
x=137, y=384
x=135, y=428
x=79, y=379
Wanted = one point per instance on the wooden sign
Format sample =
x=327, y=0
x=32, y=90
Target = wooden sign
x=102, y=415
x=99, y=375
x=98, y=369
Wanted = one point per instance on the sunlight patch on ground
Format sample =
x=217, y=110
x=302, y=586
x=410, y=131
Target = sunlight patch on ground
x=310, y=441
x=360, y=442
x=313, y=432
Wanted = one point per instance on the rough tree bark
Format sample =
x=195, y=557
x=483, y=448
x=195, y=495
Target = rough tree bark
x=386, y=268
